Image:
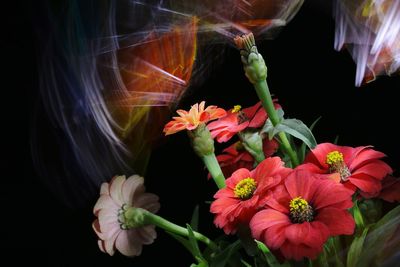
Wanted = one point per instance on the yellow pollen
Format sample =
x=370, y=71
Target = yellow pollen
x=334, y=157
x=298, y=204
x=236, y=108
x=245, y=188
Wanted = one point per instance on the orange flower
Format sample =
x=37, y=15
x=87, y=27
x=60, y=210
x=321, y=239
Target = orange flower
x=192, y=119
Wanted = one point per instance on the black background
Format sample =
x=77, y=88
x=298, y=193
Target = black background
x=304, y=72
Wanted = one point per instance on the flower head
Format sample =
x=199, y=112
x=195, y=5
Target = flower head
x=115, y=227
x=237, y=120
x=244, y=193
x=358, y=167
x=191, y=119
x=235, y=156
x=301, y=215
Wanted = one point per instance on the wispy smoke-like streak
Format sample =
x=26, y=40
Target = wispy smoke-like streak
x=370, y=30
x=110, y=71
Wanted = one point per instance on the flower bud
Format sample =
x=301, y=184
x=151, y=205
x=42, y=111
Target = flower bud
x=202, y=142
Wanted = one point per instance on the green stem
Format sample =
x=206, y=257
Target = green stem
x=265, y=96
x=258, y=157
x=158, y=221
x=213, y=167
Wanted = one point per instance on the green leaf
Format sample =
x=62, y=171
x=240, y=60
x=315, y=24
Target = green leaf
x=200, y=264
x=297, y=129
x=269, y=257
x=246, y=264
x=380, y=244
x=353, y=255
x=302, y=150
x=269, y=127
x=222, y=258
x=358, y=216
x=336, y=140
x=194, y=222
x=194, y=244
x=183, y=241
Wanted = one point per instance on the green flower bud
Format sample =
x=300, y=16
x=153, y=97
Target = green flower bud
x=202, y=142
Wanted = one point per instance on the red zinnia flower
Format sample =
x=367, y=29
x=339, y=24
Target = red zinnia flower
x=358, y=167
x=302, y=214
x=235, y=156
x=237, y=120
x=192, y=119
x=244, y=192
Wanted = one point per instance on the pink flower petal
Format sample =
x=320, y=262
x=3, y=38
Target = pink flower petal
x=116, y=189
x=129, y=188
x=147, y=201
x=96, y=228
x=102, y=247
x=104, y=189
x=128, y=244
x=147, y=234
x=104, y=202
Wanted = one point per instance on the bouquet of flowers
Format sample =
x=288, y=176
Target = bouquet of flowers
x=282, y=199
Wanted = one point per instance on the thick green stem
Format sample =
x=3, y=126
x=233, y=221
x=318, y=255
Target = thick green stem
x=213, y=167
x=158, y=221
x=265, y=96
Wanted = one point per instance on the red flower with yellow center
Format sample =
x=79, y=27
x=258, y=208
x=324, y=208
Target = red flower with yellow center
x=245, y=192
x=191, y=119
x=359, y=167
x=237, y=120
x=302, y=214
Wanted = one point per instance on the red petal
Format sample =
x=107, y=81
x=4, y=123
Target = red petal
x=290, y=251
x=301, y=183
x=318, y=154
x=265, y=219
x=377, y=169
x=339, y=222
x=237, y=176
x=268, y=168
x=259, y=119
x=391, y=189
x=331, y=193
x=251, y=111
x=364, y=156
x=274, y=236
x=366, y=183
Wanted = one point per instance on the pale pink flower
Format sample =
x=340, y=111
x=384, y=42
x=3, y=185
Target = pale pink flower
x=115, y=198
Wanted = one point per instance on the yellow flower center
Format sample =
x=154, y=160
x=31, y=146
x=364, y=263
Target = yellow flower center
x=236, y=108
x=300, y=210
x=336, y=163
x=334, y=157
x=245, y=188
